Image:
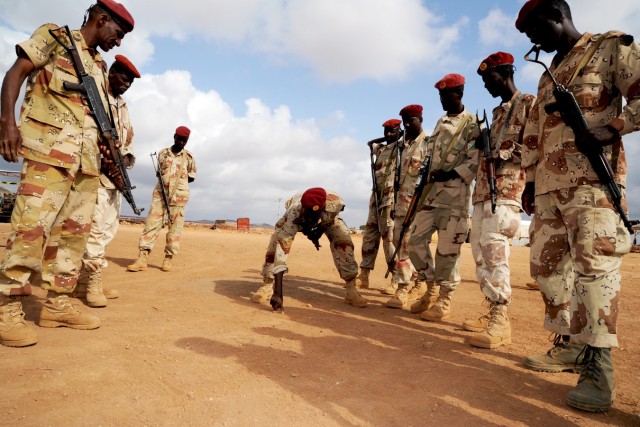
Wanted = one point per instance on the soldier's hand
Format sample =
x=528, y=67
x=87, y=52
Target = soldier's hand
x=10, y=142
x=439, y=175
x=593, y=139
x=528, y=198
x=276, y=303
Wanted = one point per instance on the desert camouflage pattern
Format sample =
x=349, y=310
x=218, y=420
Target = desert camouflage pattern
x=53, y=121
x=510, y=176
x=335, y=229
x=104, y=226
x=175, y=170
x=413, y=154
x=385, y=168
x=490, y=234
x=122, y=121
x=576, y=227
x=154, y=223
x=48, y=198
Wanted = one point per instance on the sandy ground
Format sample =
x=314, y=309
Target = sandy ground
x=188, y=348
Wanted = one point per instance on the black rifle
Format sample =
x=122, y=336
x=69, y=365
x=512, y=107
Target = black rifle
x=165, y=199
x=113, y=167
x=571, y=114
x=489, y=164
x=373, y=172
x=412, y=210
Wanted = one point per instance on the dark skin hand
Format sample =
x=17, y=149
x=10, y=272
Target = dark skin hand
x=439, y=175
x=277, y=300
x=528, y=198
x=594, y=139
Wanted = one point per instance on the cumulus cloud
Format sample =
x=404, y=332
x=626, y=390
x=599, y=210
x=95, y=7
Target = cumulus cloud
x=497, y=29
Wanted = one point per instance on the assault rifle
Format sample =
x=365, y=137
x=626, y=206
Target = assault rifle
x=112, y=166
x=412, y=210
x=489, y=164
x=570, y=112
x=373, y=172
x=163, y=190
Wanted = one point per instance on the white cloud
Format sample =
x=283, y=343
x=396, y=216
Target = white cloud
x=497, y=30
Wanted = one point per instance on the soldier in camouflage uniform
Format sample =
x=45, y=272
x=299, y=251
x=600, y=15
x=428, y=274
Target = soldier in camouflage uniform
x=314, y=213
x=413, y=149
x=106, y=216
x=490, y=232
x=379, y=222
x=454, y=163
x=178, y=169
x=576, y=227
x=58, y=139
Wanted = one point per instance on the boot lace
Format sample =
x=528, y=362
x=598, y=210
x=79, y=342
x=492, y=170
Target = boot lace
x=14, y=310
x=592, y=366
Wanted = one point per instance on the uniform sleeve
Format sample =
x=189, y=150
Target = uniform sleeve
x=469, y=168
x=627, y=80
x=514, y=150
x=127, y=144
x=191, y=167
x=40, y=46
x=530, y=143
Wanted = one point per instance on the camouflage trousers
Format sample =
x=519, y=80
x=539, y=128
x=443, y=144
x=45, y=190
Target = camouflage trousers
x=155, y=222
x=378, y=227
x=452, y=230
x=341, y=248
x=53, y=202
x=103, y=227
x=405, y=271
x=490, y=234
x=577, y=244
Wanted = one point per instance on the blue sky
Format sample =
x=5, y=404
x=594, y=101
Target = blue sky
x=282, y=95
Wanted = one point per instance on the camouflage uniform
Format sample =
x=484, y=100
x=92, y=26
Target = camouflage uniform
x=446, y=206
x=490, y=232
x=335, y=230
x=575, y=223
x=380, y=224
x=60, y=171
x=176, y=169
x=413, y=155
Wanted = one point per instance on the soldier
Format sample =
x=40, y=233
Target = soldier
x=454, y=163
x=576, y=225
x=106, y=216
x=379, y=222
x=314, y=212
x=412, y=151
x=58, y=139
x=178, y=169
x=490, y=232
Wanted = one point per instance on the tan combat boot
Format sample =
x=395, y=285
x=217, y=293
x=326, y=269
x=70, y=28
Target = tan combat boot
x=95, y=292
x=166, y=264
x=401, y=298
x=141, y=262
x=391, y=289
x=14, y=331
x=441, y=310
x=353, y=297
x=498, y=330
x=58, y=311
x=264, y=293
x=427, y=300
x=479, y=324
x=362, y=281
x=418, y=290
x=80, y=291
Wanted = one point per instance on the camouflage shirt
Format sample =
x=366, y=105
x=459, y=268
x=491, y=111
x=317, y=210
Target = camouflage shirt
x=549, y=154
x=413, y=155
x=509, y=174
x=385, y=167
x=460, y=155
x=122, y=122
x=55, y=124
x=176, y=169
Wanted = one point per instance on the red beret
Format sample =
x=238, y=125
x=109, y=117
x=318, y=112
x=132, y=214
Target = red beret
x=449, y=81
x=119, y=13
x=127, y=65
x=412, y=110
x=495, y=59
x=183, y=131
x=525, y=14
x=314, y=198
x=392, y=123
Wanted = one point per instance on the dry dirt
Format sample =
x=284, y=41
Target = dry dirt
x=189, y=348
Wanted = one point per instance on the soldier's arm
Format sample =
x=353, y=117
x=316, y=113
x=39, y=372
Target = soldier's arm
x=10, y=139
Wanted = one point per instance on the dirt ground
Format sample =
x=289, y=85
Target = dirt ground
x=188, y=348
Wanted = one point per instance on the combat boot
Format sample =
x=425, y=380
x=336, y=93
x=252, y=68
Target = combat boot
x=95, y=292
x=14, y=331
x=353, y=297
x=400, y=298
x=418, y=290
x=58, y=311
x=391, y=289
x=141, y=262
x=362, y=281
x=441, y=310
x=564, y=356
x=596, y=390
x=427, y=300
x=264, y=293
x=498, y=331
x=166, y=264
x=480, y=324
